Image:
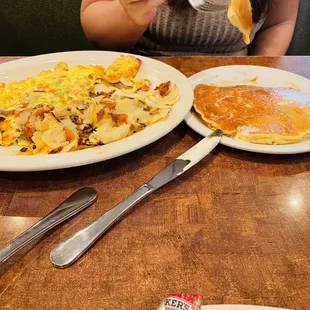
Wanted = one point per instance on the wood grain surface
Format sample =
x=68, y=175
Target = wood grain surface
x=235, y=229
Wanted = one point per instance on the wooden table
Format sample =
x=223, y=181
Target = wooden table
x=235, y=229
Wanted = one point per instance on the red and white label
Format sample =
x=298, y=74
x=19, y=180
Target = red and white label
x=181, y=302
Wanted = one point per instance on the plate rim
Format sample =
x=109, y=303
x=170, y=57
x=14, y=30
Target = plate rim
x=288, y=149
x=239, y=306
x=55, y=161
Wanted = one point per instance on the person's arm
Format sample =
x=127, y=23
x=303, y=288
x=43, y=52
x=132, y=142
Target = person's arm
x=276, y=34
x=116, y=24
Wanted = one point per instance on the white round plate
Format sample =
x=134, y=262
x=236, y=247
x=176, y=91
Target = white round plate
x=238, y=307
x=155, y=71
x=242, y=75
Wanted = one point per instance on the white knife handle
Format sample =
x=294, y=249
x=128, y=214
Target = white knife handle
x=201, y=149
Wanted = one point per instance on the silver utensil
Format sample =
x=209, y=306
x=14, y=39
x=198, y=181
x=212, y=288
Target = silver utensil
x=67, y=252
x=78, y=201
x=207, y=5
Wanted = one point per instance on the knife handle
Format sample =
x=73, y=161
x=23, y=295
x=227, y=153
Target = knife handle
x=67, y=252
x=78, y=201
x=201, y=149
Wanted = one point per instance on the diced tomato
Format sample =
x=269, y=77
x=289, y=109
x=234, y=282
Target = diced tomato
x=145, y=87
x=75, y=148
x=139, y=128
x=69, y=134
x=110, y=105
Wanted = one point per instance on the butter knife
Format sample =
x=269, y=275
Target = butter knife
x=78, y=201
x=67, y=252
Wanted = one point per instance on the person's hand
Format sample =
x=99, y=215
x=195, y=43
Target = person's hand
x=141, y=12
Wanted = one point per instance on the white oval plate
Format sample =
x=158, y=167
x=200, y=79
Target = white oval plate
x=242, y=75
x=238, y=307
x=151, y=69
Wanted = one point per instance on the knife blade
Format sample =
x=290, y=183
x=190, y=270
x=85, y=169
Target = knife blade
x=67, y=252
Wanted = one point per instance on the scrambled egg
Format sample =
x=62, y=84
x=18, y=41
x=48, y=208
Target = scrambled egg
x=54, y=88
x=123, y=67
x=68, y=109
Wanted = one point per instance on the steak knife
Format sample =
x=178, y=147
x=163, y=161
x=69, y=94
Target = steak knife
x=67, y=252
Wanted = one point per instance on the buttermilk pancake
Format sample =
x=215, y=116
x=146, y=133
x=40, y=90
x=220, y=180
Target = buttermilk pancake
x=240, y=15
x=256, y=114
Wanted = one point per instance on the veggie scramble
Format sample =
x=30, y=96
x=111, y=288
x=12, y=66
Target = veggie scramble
x=68, y=109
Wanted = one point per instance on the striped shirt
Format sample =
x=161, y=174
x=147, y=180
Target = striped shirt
x=189, y=32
